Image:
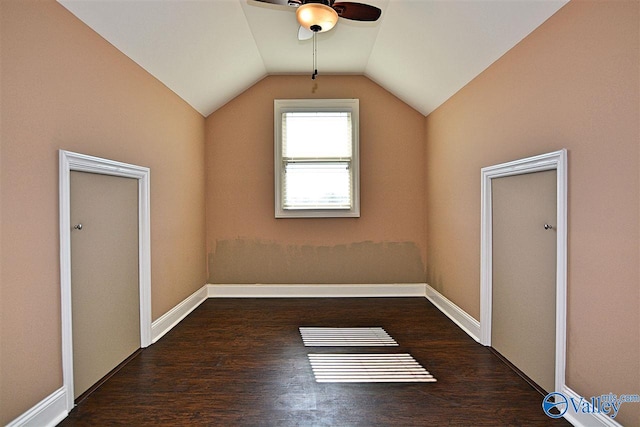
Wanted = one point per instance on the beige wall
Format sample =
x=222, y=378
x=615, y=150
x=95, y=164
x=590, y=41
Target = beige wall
x=573, y=83
x=62, y=86
x=246, y=244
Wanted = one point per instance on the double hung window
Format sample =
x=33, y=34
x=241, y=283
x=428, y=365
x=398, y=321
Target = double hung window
x=316, y=158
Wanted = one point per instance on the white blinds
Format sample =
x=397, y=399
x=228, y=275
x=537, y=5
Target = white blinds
x=316, y=135
x=317, y=186
x=316, y=155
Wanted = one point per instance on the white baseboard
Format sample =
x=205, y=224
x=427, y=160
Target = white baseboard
x=47, y=413
x=460, y=317
x=580, y=419
x=171, y=318
x=316, y=290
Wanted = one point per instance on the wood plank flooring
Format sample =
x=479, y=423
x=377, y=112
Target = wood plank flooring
x=242, y=362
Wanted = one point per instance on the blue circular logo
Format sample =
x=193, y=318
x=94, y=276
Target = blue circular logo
x=557, y=401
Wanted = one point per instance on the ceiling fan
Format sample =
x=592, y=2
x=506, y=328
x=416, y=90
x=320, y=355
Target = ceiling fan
x=319, y=16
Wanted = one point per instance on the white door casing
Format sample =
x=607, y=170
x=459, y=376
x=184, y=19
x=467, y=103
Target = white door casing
x=79, y=162
x=556, y=160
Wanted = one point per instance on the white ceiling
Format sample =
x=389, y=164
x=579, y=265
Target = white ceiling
x=210, y=51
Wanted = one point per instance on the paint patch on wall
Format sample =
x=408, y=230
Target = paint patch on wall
x=253, y=261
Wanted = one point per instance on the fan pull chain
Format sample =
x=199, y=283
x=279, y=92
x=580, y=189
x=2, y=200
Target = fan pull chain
x=315, y=61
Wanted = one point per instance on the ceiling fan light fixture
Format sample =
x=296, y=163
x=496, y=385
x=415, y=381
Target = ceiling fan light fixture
x=316, y=15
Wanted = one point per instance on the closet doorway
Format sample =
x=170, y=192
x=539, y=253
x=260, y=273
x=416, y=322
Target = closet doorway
x=106, y=314
x=523, y=265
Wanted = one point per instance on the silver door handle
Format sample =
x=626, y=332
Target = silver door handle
x=546, y=227
x=78, y=226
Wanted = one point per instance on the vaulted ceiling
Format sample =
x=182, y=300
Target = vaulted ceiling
x=210, y=51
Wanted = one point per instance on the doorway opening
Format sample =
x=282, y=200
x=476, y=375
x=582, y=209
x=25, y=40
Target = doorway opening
x=70, y=161
x=552, y=161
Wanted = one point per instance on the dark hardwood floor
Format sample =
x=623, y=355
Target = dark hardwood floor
x=241, y=362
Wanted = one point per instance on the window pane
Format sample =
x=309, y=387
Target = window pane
x=317, y=186
x=316, y=134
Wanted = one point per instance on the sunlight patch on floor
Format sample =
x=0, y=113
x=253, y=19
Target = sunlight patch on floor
x=346, y=337
x=367, y=368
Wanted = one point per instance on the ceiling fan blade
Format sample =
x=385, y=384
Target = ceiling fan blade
x=304, y=34
x=357, y=11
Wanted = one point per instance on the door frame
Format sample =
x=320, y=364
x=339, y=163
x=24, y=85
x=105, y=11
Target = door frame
x=70, y=161
x=555, y=160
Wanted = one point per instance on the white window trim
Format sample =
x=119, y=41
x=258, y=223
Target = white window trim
x=293, y=105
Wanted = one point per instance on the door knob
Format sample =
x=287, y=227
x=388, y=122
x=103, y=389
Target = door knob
x=546, y=227
x=78, y=226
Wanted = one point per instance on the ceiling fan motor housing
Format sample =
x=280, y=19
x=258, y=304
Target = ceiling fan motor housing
x=296, y=3
x=324, y=2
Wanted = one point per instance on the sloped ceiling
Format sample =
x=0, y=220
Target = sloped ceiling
x=210, y=51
